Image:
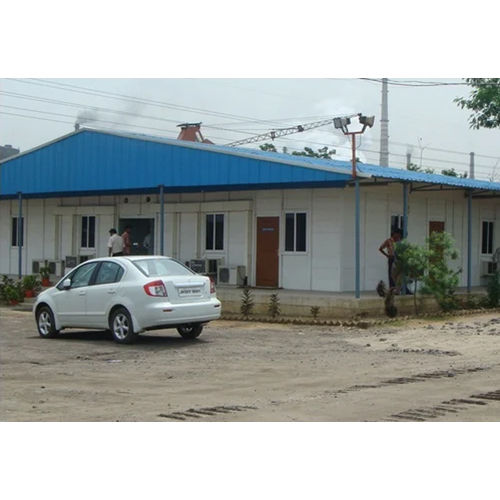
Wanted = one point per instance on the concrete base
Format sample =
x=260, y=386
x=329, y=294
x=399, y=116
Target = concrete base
x=332, y=305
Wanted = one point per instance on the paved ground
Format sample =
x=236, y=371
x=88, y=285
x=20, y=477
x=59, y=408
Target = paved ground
x=238, y=371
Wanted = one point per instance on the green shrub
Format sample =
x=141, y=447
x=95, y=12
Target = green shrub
x=314, y=311
x=273, y=307
x=31, y=282
x=247, y=304
x=493, y=290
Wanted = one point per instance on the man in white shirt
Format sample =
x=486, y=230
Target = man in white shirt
x=115, y=244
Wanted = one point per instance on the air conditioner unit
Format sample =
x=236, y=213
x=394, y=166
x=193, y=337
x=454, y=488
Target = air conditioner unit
x=198, y=265
x=71, y=261
x=488, y=267
x=84, y=258
x=231, y=275
x=37, y=264
x=55, y=267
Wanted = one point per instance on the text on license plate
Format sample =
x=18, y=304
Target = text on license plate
x=189, y=291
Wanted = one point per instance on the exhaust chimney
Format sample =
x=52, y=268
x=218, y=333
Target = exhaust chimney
x=191, y=132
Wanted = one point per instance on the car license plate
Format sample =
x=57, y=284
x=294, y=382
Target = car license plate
x=187, y=292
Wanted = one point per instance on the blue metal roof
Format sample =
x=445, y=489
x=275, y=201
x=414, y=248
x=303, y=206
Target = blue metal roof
x=376, y=171
x=98, y=162
x=91, y=161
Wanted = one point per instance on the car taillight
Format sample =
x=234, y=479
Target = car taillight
x=156, y=289
x=212, y=285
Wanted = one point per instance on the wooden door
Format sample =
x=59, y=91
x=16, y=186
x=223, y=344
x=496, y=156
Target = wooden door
x=268, y=243
x=436, y=226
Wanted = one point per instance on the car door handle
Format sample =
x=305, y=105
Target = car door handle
x=82, y=293
x=112, y=291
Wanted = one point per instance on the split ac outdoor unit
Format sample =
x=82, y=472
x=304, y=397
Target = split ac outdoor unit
x=84, y=258
x=198, y=265
x=231, y=275
x=36, y=265
x=71, y=261
x=488, y=267
x=55, y=267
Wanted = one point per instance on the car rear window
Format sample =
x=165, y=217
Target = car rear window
x=162, y=267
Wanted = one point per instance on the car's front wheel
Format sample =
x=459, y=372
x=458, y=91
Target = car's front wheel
x=190, y=331
x=120, y=324
x=45, y=322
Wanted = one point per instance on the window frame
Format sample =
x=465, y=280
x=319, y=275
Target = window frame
x=306, y=232
x=490, y=237
x=14, y=234
x=87, y=246
x=213, y=249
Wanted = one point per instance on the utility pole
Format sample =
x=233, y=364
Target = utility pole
x=408, y=161
x=384, y=126
x=471, y=167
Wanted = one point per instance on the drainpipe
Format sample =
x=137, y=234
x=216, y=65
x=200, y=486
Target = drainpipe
x=20, y=234
x=162, y=221
x=469, y=241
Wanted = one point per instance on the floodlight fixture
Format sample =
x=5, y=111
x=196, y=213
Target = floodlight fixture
x=341, y=123
x=366, y=121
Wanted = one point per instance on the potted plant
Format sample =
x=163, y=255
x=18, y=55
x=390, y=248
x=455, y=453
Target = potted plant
x=12, y=294
x=31, y=285
x=45, y=275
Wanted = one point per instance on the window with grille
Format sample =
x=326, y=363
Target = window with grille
x=295, y=232
x=214, y=235
x=88, y=231
x=15, y=232
x=487, y=237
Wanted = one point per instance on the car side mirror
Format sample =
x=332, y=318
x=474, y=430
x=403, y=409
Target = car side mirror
x=67, y=284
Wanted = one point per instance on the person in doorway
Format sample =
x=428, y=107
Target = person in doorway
x=147, y=243
x=388, y=248
x=127, y=244
x=115, y=244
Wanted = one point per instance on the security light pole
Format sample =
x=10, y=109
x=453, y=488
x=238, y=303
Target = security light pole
x=342, y=123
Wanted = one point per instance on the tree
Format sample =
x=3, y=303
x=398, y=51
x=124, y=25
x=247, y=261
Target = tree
x=415, y=168
x=268, y=147
x=323, y=152
x=484, y=102
x=411, y=264
x=451, y=172
x=441, y=281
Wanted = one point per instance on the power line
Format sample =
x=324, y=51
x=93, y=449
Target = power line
x=215, y=127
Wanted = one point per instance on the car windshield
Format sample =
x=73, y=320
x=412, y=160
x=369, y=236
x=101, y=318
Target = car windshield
x=162, y=267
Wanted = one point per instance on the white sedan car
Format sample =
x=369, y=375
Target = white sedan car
x=128, y=295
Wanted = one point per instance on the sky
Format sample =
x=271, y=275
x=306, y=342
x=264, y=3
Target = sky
x=423, y=121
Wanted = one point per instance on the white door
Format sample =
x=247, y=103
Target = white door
x=101, y=295
x=71, y=303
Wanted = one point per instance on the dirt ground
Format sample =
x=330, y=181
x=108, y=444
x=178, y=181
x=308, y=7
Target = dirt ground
x=441, y=370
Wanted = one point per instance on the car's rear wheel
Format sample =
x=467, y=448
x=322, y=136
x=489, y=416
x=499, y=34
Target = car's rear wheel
x=45, y=322
x=190, y=331
x=120, y=324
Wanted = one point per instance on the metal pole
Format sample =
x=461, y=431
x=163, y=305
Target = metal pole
x=162, y=221
x=471, y=167
x=469, y=241
x=384, y=127
x=20, y=235
x=405, y=209
x=357, y=238
x=353, y=141
x=405, y=226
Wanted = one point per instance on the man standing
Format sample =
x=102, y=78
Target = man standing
x=127, y=245
x=388, y=249
x=115, y=244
